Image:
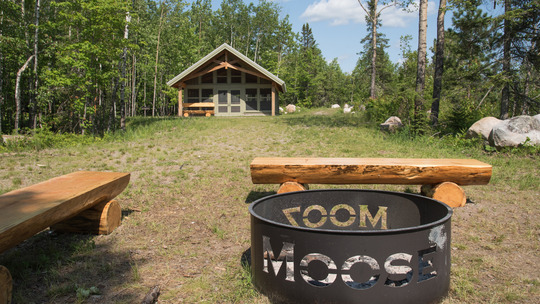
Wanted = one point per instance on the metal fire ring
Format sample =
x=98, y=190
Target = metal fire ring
x=350, y=246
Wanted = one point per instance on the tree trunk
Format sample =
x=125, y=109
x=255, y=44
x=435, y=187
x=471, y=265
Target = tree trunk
x=134, y=86
x=505, y=96
x=157, y=59
x=18, y=93
x=123, y=81
x=421, y=65
x=439, y=64
x=373, y=93
x=1, y=70
x=36, y=79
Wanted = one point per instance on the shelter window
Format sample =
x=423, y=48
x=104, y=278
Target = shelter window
x=193, y=95
x=207, y=78
x=266, y=99
x=193, y=81
x=251, y=100
x=236, y=76
x=235, y=96
x=222, y=98
x=251, y=78
x=207, y=95
x=265, y=81
x=222, y=76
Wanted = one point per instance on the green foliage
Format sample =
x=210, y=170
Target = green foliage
x=463, y=116
x=39, y=139
x=378, y=110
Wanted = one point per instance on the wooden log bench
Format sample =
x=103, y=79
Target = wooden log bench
x=441, y=179
x=200, y=108
x=79, y=202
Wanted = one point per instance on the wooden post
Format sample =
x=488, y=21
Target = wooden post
x=100, y=219
x=447, y=192
x=273, y=100
x=180, y=101
x=292, y=186
x=6, y=285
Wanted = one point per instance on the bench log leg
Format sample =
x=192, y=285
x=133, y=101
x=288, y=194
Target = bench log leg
x=100, y=219
x=292, y=186
x=447, y=192
x=6, y=285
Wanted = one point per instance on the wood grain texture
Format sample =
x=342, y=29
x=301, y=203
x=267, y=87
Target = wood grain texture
x=291, y=187
x=6, y=285
x=277, y=170
x=447, y=192
x=27, y=211
x=103, y=218
x=198, y=105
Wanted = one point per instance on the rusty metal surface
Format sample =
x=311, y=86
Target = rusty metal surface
x=350, y=246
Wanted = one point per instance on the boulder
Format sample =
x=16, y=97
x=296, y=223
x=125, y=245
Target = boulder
x=281, y=110
x=290, y=108
x=335, y=106
x=392, y=124
x=482, y=128
x=516, y=131
x=347, y=109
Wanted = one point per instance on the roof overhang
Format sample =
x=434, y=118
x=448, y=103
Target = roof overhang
x=194, y=70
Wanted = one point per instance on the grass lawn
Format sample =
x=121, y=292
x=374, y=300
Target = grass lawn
x=186, y=222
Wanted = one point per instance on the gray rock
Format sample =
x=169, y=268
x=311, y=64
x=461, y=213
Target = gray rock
x=482, y=128
x=392, y=124
x=516, y=131
x=335, y=106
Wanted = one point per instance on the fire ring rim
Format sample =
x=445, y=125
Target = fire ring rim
x=361, y=232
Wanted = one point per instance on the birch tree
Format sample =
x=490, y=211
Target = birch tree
x=439, y=64
x=420, y=67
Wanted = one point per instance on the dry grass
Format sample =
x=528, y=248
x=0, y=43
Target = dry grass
x=186, y=219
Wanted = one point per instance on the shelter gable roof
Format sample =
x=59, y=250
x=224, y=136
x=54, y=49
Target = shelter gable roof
x=211, y=62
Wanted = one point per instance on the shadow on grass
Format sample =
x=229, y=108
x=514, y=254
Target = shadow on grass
x=255, y=195
x=335, y=120
x=53, y=267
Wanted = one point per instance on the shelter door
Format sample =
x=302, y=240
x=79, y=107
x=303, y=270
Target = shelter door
x=229, y=102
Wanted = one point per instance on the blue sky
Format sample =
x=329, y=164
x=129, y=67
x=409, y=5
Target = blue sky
x=339, y=25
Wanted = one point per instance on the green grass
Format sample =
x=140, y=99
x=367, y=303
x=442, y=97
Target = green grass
x=186, y=222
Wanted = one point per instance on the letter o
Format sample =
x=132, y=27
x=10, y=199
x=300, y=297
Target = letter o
x=348, y=280
x=335, y=221
x=330, y=264
x=319, y=223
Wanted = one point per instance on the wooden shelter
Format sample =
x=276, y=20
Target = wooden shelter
x=227, y=83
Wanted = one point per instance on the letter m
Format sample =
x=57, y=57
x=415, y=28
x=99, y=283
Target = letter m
x=380, y=216
x=286, y=254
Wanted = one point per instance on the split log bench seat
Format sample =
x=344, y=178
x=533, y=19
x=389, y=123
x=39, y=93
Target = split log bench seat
x=78, y=202
x=201, y=108
x=440, y=178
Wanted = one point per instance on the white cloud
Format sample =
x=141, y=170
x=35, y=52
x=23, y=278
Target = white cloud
x=340, y=12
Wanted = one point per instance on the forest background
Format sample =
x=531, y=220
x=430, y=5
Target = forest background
x=84, y=66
